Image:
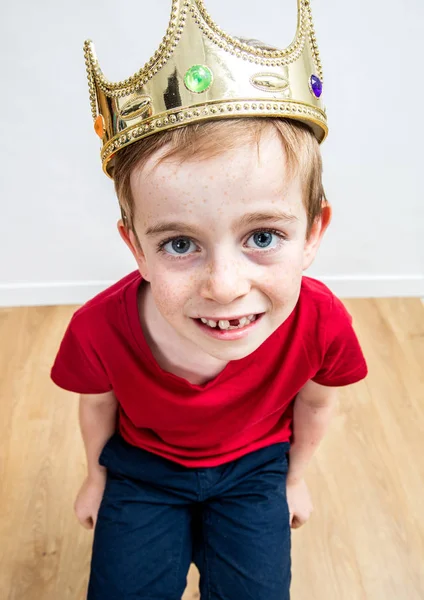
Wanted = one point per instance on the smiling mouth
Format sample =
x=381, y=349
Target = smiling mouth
x=229, y=324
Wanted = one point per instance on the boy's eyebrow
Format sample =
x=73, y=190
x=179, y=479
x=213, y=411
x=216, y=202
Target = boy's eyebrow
x=249, y=219
x=262, y=217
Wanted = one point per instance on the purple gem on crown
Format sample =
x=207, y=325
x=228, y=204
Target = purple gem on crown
x=316, y=85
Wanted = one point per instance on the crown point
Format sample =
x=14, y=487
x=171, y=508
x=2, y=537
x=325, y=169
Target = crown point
x=198, y=79
x=315, y=84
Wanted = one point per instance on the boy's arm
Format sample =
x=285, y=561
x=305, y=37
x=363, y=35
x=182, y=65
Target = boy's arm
x=313, y=409
x=97, y=417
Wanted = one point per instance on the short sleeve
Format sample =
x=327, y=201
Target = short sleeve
x=343, y=361
x=77, y=366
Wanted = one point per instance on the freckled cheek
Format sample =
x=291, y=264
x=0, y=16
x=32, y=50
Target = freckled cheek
x=172, y=291
x=281, y=282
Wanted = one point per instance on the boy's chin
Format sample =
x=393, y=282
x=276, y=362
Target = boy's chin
x=232, y=350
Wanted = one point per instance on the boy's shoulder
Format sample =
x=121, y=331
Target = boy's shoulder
x=318, y=305
x=89, y=345
x=316, y=290
x=314, y=293
x=107, y=303
x=112, y=295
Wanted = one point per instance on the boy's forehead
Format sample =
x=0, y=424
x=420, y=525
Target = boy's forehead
x=212, y=212
x=241, y=174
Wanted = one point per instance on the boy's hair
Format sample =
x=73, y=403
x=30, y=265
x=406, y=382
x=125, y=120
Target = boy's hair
x=205, y=140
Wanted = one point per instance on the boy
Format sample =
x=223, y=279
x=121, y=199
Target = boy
x=208, y=376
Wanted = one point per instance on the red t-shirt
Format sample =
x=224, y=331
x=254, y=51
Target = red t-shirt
x=246, y=407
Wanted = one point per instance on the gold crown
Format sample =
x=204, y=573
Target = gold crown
x=200, y=73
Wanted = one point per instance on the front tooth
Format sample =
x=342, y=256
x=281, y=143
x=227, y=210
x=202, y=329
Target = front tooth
x=224, y=324
x=205, y=321
x=243, y=322
x=251, y=317
x=211, y=323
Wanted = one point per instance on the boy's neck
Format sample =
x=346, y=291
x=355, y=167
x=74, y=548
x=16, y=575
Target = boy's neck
x=172, y=352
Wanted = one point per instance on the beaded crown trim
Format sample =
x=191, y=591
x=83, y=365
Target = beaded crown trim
x=199, y=72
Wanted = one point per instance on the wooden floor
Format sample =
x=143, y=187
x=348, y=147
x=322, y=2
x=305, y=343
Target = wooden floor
x=366, y=537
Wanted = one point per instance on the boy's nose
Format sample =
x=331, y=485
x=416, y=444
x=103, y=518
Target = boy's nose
x=224, y=281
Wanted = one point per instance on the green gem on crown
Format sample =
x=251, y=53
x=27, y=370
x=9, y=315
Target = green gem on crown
x=198, y=78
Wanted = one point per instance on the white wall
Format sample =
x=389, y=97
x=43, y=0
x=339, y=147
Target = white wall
x=59, y=242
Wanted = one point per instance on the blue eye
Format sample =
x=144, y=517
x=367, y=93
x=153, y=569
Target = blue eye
x=265, y=239
x=178, y=246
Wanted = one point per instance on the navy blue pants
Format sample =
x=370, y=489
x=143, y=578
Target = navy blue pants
x=156, y=517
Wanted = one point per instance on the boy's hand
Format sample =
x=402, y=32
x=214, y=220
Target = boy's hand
x=88, y=500
x=299, y=501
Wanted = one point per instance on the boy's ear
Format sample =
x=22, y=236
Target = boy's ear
x=131, y=241
x=317, y=231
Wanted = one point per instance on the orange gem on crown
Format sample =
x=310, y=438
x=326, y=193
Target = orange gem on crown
x=99, y=126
